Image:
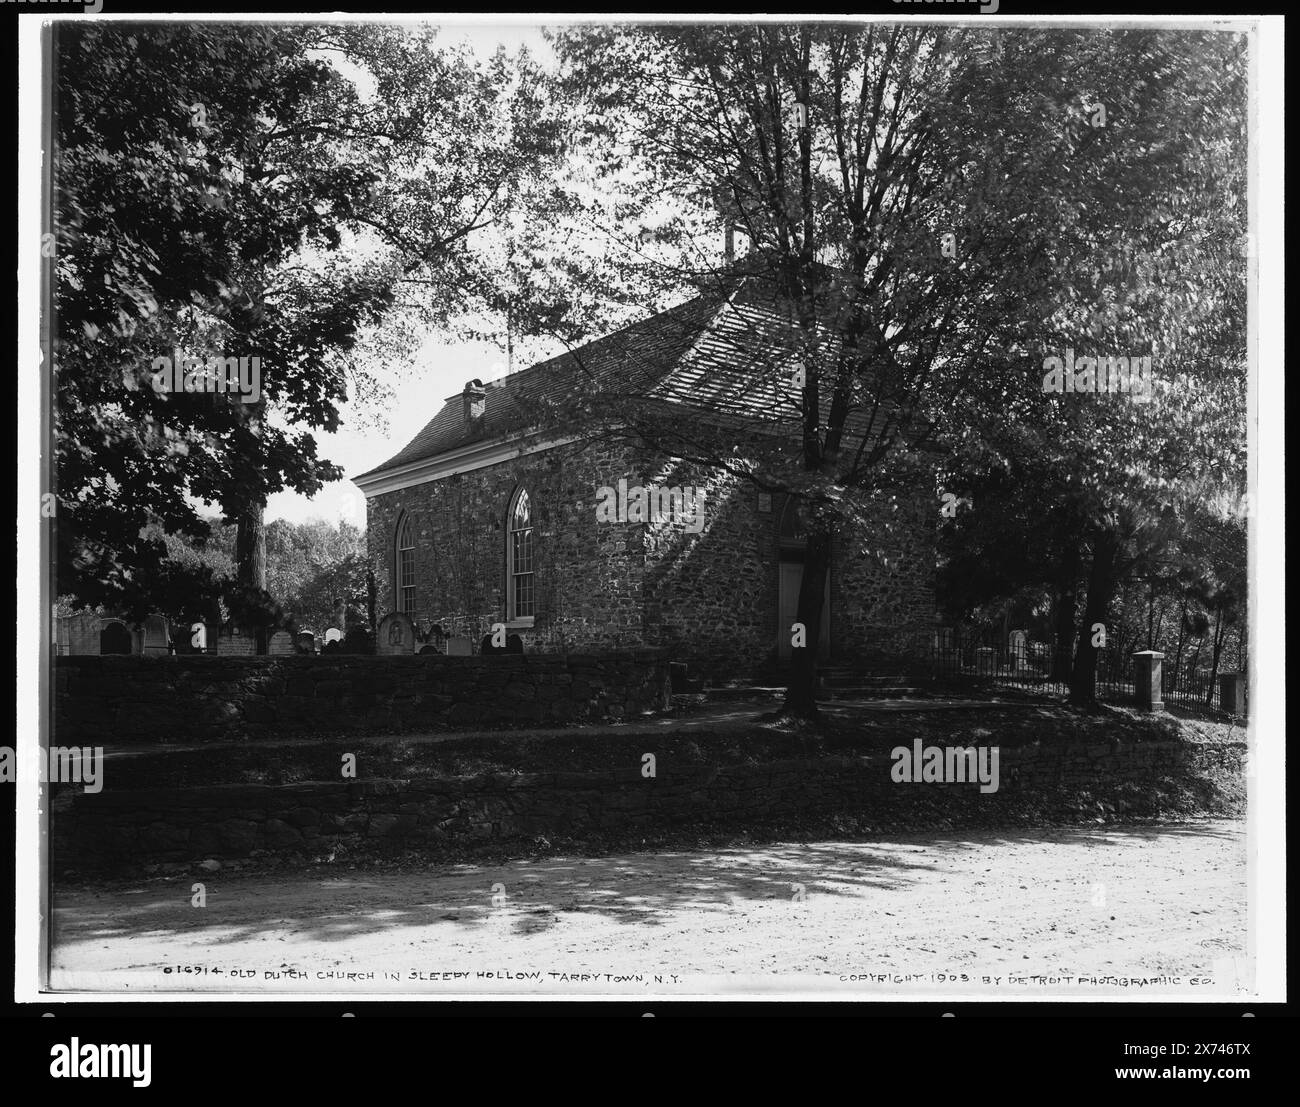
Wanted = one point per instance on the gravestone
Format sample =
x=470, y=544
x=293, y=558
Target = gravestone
x=1018, y=647
x=1232, y=693
x=459, y=647
x=514, y=644
x=431, y=647
x=280, y=644
x=396, y=635
x=80, y=633
x=1147, y=680
x=986, y=661
x=333, y=635
x=359, y=640
x=114, y=638
x=156, y=639
x=237, y=644
x=306, y=642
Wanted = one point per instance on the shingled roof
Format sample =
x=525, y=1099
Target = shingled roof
x=633, y=359
x=732, y=349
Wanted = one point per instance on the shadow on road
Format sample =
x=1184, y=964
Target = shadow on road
x=646, y=889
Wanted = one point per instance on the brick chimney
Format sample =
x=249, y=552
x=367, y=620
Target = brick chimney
x=474, y=400
x=730, y=244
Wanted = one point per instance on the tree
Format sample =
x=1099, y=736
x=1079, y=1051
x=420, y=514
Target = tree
x=279, y=215
x=892, y=182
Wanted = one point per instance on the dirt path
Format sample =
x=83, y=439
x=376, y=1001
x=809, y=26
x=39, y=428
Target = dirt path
x=918, y=915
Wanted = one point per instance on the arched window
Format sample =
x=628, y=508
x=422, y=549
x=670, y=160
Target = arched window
x=519, y=559
x=404, y=574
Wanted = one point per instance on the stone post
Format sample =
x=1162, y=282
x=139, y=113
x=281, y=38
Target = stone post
x=1232, y=693
x=1147, y=680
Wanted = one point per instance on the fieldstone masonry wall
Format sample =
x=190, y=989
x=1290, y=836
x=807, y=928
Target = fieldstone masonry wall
x=710, y=598
x=230, y=821
x=106, y=700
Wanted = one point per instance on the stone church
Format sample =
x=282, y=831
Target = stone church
x=494, y=514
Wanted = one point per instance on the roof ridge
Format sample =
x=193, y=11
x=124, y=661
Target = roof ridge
x=643, y=321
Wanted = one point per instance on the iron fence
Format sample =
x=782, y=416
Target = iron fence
x=1021, y=663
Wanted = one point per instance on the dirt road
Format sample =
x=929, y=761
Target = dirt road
x=916, y=916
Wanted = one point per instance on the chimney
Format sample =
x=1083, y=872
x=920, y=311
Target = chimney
x=730, y=247
x=474, y=400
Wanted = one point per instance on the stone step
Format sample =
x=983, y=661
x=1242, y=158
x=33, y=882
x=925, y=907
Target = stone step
x=738, y=692
x=858, y=680
x=872, y=692
x=742, y=692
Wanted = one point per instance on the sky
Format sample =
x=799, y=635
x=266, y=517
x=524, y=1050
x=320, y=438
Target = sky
x=444, y=364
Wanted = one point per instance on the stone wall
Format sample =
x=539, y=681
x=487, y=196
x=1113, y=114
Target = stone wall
x=709, y=598
x=103, y=700
x=588, y=575
x=1038, y=781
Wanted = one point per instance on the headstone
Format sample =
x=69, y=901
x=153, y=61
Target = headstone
x=459, y=647
x=236, y=644
x=431, y=647
x=1018, y=646
x=280, y=644
x=1232, y=693
x=1147, y=680
x=156, y=638
x=306, y=642
x=986, y=661
x=334, y=645
x=81, y=634
x=396, y=635
x=333, y=635
x=359, y=640
x=114, y=638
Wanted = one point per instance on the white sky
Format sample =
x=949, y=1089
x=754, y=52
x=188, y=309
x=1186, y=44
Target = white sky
x=445, y=365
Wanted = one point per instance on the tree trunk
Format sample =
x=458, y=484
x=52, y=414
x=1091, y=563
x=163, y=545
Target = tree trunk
x=1065, y=603
x=801, y=695
x=1101, y=586
x=1151, y=615
x=1219, y=636
x=1195, y=663
x=250, y=558
x=1182, y=641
